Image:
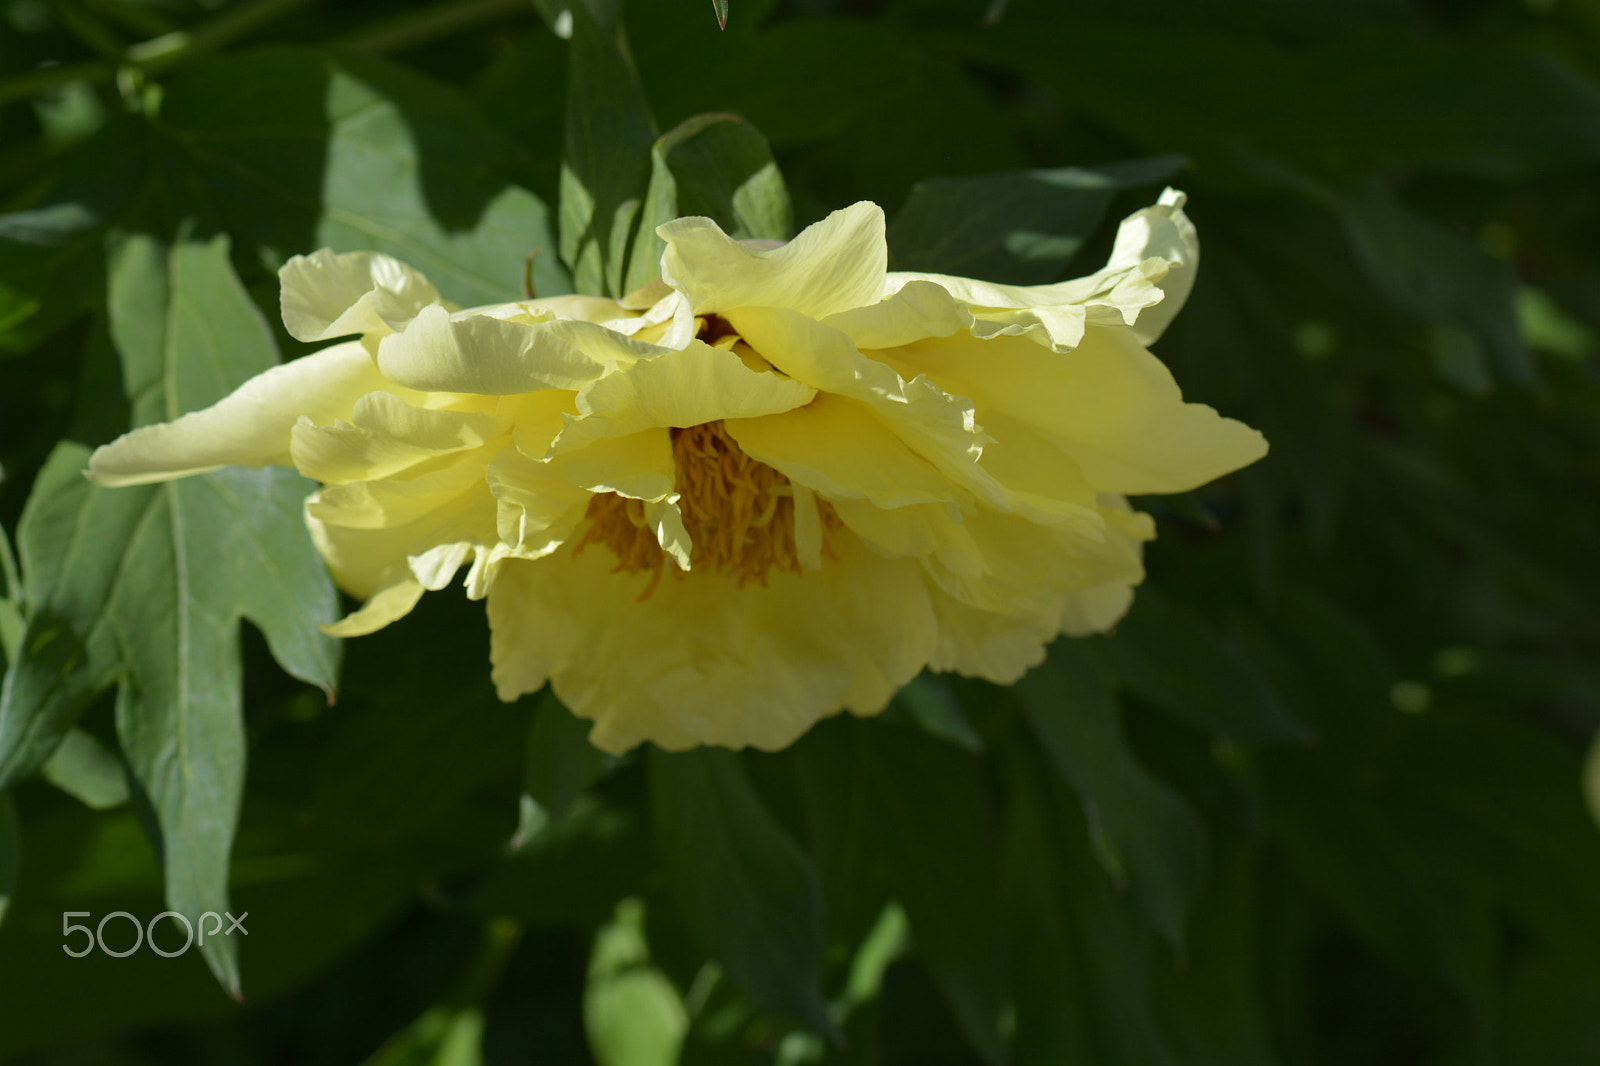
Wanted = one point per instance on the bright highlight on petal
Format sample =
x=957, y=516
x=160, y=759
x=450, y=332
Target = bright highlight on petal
x=772, y=485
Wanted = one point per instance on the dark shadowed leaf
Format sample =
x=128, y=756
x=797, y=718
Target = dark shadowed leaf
x=1020, y=228
x=746, y=890
x=10, y=853
x=931, y=824
x=714, y=165
x=1146, y=836
x=1174, y=660
x=607, y=163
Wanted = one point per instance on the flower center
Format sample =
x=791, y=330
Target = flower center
x=738, y=512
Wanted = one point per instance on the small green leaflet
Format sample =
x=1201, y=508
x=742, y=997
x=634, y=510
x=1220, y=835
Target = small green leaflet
x=714, y=165
x=144, y=587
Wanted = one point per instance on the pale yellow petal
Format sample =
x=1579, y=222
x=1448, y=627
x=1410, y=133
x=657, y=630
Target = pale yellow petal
x=920, y=309
x=703, y=660
x=936, y=424
x=1095, y=610
x=250, y=427
x=387, y=605
x=995, y=646
x=638, y=465
x=327, y=295
x=678, y=389
x=383, y=436
x=401, y=499
x=1111, y=405
x=831, y=266
x=537, y=505
x=489, y=356
x=836, y=447
x=1143, y=285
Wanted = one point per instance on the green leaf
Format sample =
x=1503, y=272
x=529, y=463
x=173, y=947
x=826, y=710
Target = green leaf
x=87, y=770
x=10, y=853
x=52, y=257
x=304, y=150
x=930, y=819
x=606, y=167
x=928, y=701
x=1173, y=659
x=633, y=1015
x=1145, y=834
x=561, y=764
x=1443, y=279
x=1020, y=228
x=147, y=585
x=747, y=892
x=714, y=165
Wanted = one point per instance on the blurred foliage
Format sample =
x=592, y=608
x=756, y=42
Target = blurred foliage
x=1319, y=799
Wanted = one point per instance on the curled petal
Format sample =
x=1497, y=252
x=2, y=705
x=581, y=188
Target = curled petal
x=832, y=266
x=251, y=427
x=326, y=294
x=490, y=356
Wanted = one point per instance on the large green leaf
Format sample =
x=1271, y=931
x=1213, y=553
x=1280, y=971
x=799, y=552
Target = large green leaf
x=1020, y=228
x=84, y=768
x=301, y=149
x=606, y=166
x=747, y=892
x=1146, y=835
x=718, y=166
x=52, y=257
x=930, y=824
x=146, y=585
x=1173, y=659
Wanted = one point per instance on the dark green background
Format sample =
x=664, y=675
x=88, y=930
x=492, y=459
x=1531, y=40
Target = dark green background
x=1320, y=798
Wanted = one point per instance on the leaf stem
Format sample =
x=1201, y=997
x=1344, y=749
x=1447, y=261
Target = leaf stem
x=426, y=24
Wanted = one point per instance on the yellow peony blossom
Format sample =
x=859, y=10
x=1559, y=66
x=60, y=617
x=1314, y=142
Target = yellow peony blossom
x=775, y=484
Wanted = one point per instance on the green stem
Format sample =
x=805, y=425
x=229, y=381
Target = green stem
x=416, y=27
x=46, y=78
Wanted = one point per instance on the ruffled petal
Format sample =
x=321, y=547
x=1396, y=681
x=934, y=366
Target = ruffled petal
x=384, y=436
x=250, y=427
x=920, y=309
x=490, y=356
x=327, y=294
x=702, y=659
x=833, y=265
x=836, y=447
x=937, y=425
x=679, y=389
x=1110, y=404
x=1143, y=285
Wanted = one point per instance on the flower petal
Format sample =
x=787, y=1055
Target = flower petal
x=679, y=389
x=836, y=447
x=1110, y=404
x=383, y=436
x=1143, y=285
x=757, y=666
x=490, y=356
x=921, y=309
x=250, y=427
x=937, y=425
x=831, y=266
x=327, y=295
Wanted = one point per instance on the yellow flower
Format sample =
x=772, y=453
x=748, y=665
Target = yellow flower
x=775, y=484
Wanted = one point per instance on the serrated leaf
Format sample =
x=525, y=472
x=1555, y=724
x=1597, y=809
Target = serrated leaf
x=1146, y=836
x=302, y=150
x=88, y=771
x=747, y=892
x=929, y=814
x=714, y=165
x=606, y=165
x=10, y=853
x=146, y=586
x=1173, y=659
x=1020, y=228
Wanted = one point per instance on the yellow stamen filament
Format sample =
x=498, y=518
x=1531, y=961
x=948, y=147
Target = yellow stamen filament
x=738, y=512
